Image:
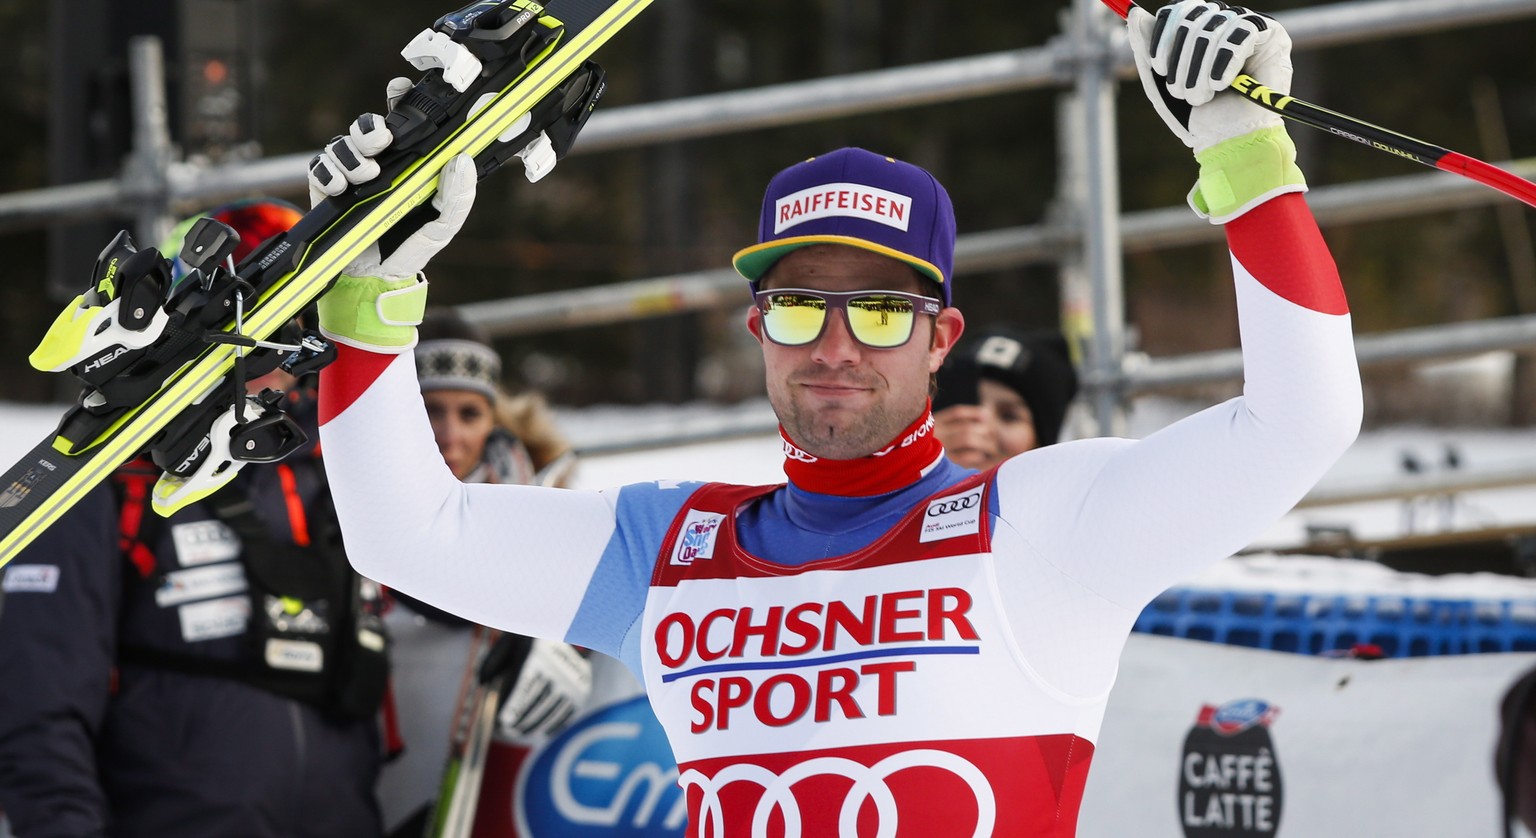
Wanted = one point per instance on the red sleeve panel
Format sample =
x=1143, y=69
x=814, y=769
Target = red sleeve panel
x=347, y=377
x=1279, y=244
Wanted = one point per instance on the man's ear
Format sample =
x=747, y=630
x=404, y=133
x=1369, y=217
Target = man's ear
x=755, y=323
x=948, y=325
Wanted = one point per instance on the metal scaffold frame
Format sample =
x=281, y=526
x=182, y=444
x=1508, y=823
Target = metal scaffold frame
x=1085, y=237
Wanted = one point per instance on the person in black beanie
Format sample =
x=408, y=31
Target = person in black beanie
x=1001, y=393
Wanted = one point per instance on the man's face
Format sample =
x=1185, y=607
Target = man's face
x=838, y=398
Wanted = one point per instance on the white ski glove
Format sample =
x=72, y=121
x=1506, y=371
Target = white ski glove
x=1188, y=53
x=554, y=682
x=377, y=302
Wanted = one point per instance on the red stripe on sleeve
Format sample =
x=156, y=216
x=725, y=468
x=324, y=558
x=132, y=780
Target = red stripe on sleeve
x=344, y=379
x=1279, y=243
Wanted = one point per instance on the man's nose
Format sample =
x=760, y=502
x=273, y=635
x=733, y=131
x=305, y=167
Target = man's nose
x=837, y=344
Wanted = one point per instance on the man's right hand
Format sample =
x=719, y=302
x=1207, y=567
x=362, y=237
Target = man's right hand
x=377, y=302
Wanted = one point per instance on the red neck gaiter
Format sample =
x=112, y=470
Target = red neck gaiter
x=909, y=456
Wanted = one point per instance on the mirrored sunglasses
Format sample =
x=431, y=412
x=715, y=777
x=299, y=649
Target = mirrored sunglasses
x=877, y=319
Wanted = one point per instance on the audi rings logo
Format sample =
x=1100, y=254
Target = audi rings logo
x=952, y=516
x=791, y=451
x=944, y=507
x=869, y=783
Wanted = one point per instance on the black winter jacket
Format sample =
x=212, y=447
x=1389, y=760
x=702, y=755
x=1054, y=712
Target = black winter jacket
x=93, y=743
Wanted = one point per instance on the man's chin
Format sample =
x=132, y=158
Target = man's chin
x=837, y=438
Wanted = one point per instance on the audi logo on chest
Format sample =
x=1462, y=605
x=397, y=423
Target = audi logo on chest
x=951, y=516
x=944, y=507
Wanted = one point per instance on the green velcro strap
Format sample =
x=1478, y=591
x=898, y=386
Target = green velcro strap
x=1237, y=175
x=373, y=313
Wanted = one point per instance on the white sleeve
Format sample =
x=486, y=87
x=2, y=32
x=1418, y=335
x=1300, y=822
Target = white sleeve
x=517, y=558
x=1129, y=520
x=1091, y=531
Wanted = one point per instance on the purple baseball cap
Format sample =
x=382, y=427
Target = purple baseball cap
x=861, y=199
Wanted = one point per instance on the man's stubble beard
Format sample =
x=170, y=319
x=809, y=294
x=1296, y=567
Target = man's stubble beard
x=841, y=434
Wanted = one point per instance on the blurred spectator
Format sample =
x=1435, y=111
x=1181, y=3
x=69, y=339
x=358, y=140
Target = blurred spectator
x=1001, y=393
x=1515, y=757
x=484, y=435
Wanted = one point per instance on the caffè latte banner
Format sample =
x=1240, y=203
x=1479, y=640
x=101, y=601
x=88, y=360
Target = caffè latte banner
x=1209, y=741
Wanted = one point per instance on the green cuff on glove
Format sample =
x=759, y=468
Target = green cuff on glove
x=379, y=315
x=1237, y=175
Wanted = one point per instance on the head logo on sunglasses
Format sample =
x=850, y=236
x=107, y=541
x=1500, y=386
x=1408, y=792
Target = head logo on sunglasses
x=877, y=319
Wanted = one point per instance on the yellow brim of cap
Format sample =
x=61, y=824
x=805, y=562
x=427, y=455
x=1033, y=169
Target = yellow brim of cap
x=754, y=261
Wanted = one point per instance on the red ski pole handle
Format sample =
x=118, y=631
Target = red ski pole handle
x=1381, y=139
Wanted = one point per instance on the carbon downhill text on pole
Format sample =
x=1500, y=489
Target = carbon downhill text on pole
x=1375, y=136
x=503, y=79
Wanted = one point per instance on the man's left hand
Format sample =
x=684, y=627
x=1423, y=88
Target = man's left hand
x=1192, y=50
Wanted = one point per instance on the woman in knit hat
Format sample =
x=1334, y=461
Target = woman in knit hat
x=1002, y=393
x=485, y=435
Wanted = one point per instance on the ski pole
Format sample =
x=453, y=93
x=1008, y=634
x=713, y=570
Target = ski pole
x=1374, y=136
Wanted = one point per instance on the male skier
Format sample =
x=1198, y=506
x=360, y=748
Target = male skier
x=889, y=644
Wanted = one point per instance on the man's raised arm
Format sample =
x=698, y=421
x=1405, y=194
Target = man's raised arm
x=1150, y=513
